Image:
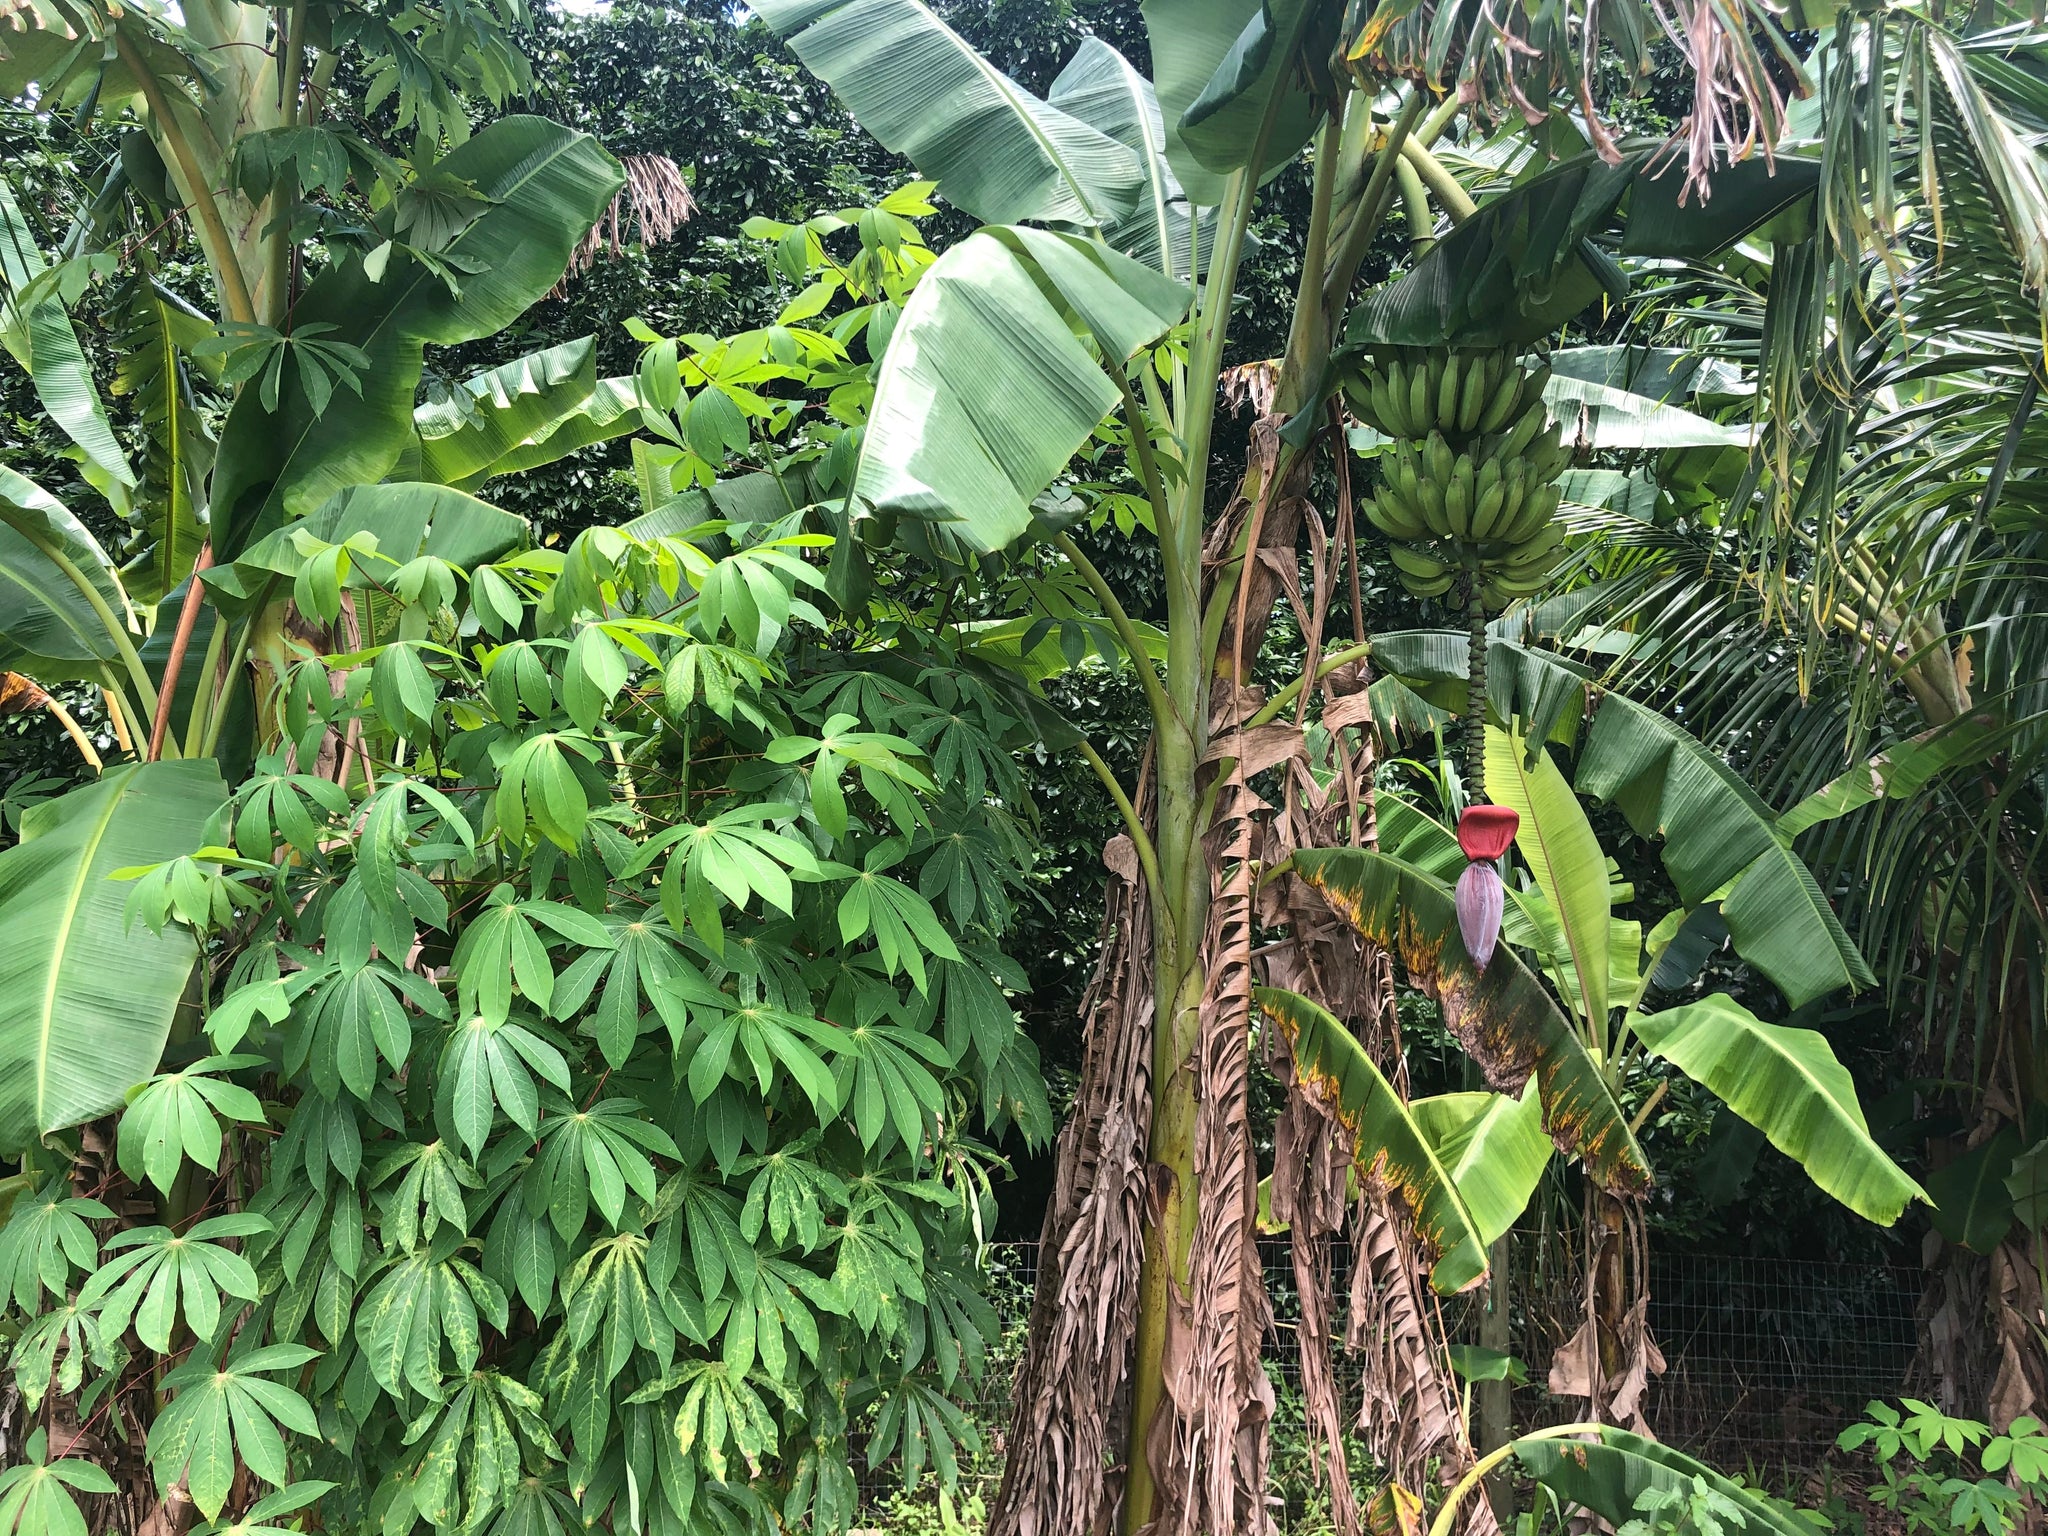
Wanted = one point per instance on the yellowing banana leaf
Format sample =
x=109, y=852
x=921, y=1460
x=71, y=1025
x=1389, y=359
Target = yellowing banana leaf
x=995, y=149
x=1502, y=1016
x=1787, y=1083
x=993, y=324
x=1389, y=1142
x=86, y=998
x=1494, y=1147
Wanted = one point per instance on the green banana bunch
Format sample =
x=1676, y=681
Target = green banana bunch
x=1468, y=481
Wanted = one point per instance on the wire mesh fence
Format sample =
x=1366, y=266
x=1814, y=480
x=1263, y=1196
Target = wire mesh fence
x=1766, y=1360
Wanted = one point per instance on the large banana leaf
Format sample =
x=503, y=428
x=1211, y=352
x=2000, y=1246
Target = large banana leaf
x=1720, y=842
x=1525, y=263
x=1787, y=1083
x=86, y=999
x=36, y=329
x=1100, y=88
x=1389, y=1144
x=612, y=410
x=1494, y=1146
x=509, y=407
x=546, y=185
x=986, y=390
x=1972, y=1204
x=1502, y=1016
x=49, y=626
x=994, y=148
x=1557, y=843
x=1218, y=65
x=1609, y=1472
x=157, y=333
x=1602, y=416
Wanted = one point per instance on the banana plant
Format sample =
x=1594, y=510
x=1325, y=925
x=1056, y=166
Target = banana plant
x=1076, y=295
x=1606, y=971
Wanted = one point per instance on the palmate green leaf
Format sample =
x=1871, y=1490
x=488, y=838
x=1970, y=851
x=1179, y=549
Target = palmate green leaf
x=993, y=322
x=490, y=1068
x=905, y=927
x=876, y=1267
x=473, y=1458
x=610, y=1308
x=427, y=1307
x=646, y=967
x=428, y=1195
x=1557, y=843
x=757, y=1042
x=546, y=185
x=995, y=149
x=1502, y=1016
x=594, y=1156
x=503, y=947
x=1787, y=1083
x=1387, y=1140
x=884, y=1077
x=1493, y=1147
x=85, y=1001
x=348, y=1016
x=176, y=1116
x=45, y=1239
x=222, y=1416
x=925, y=1427
x=51, y=571
x=55, y=1351
x=789, y=1195
x=36, y=1495
x=155, y=1277
x=721, y=1414
x=730, y=858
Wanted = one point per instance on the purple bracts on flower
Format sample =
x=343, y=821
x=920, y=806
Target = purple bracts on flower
x=1481, y=897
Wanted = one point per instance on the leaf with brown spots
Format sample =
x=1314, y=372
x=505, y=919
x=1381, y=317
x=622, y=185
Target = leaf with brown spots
x=1502, y=1016
x=1390, y=1145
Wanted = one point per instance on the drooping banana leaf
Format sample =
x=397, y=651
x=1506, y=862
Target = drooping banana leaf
x=1100, y=88
x=50, y=627
x=545, y=186
x=1218, y=65
x=994, y=149
x=86, y=999
x=760, y=497
x=1502, y=1016
x=1494, y=1146
x=1526, y=263
x=1787, y=1083
x=505, y=408
x=1389, y=1143
x=612, y=411
x=1608, y=1473
x=1557, y=843
x=36, y=329
x=992, y=325
x=1720, y=842
x=1900, y=771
